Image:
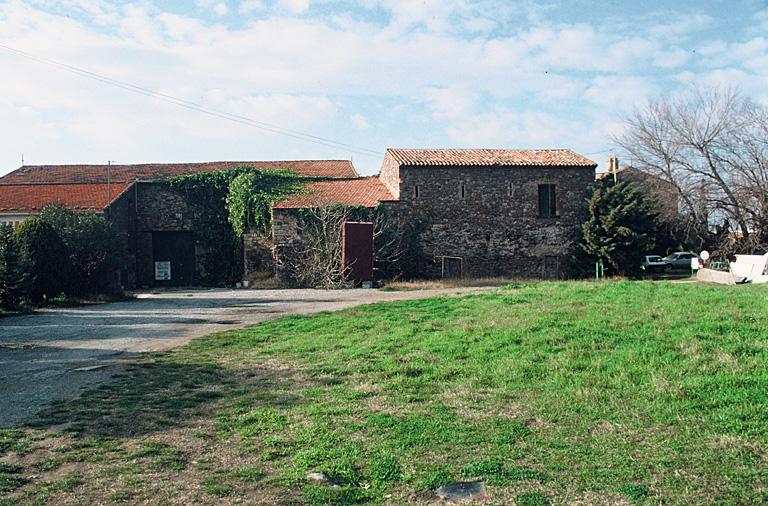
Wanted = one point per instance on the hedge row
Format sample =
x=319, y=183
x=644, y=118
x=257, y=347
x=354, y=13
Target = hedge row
x=59, y=252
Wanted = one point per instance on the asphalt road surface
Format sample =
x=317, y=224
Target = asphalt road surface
x=54, y=354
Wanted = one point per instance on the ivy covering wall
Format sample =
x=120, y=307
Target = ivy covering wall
x=226, y=204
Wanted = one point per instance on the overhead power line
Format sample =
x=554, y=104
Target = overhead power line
x=237, y=118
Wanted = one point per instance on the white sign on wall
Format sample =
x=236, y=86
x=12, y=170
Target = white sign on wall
x=163, y=271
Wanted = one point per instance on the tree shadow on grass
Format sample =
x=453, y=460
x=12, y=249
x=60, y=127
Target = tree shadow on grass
x=149, y=431
x=162, y=393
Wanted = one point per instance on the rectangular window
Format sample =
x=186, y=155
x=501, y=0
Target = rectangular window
x=547, y=201
x=416, y=191
x=462, y=191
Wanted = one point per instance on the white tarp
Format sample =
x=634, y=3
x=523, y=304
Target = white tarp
x=752, y=267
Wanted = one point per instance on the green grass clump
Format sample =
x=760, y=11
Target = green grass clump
x=532, y=499
x=13, y=440
x=214, y=485
x=10, y=477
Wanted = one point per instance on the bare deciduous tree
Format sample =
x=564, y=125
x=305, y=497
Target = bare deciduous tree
x=712, y=147
x=314, y=258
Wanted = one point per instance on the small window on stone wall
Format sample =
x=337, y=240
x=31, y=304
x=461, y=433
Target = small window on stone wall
x=510, y=190
x=416, y=191
x=462, y=191
x=547, y=201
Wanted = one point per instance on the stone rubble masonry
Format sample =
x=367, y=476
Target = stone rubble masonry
x=389, y=174
x=257, y=253
x=145, y=208
x=495, y=228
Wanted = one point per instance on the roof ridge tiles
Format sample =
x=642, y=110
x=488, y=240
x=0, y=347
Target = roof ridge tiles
x=550, y=157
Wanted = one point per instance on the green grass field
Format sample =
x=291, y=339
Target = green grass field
x=553, y=393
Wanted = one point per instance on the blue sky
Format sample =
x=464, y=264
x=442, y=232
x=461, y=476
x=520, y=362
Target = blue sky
x=369, y=75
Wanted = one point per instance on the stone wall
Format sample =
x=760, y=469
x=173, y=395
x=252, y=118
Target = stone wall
x=257, y=254
x=123, y=219
x=143, y=209
x=389, y=174
x=285, y=227
x=162, y=209
x=495, y=226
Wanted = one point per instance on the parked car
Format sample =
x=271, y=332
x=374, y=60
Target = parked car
x=680, y=260
x=653, y=263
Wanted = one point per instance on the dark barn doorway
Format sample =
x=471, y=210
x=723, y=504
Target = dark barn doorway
x=551, y=267
x=173, y=254
x=357, y=251
x=452, y=267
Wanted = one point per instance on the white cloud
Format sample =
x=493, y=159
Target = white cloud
x=220, y=9
x=527, y=129
x=249, y=6
x=295, y=6
x=450, y=103
x=679, y=26
x=359, y=121
x=672, y=57
x=451, y=71
x=619, y=93
x=99, y=11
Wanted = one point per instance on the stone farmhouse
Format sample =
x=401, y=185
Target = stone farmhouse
x=485, y=212
x=155, y=222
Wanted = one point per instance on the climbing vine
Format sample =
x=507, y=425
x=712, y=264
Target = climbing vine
x=251, y=195
x=226, y=204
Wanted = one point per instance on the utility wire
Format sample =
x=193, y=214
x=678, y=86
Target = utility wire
x=193, y=106
x=599, y=152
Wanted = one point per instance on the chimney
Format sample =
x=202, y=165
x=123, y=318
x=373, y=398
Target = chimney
x=613, y=167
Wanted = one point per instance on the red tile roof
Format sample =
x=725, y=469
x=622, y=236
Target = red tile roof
x=364, y=191
x=336, y=169
x=25, y=198
x=486, y=157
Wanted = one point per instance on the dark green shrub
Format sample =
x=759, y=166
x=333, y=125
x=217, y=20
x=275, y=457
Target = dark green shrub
x=622, y=227
x=12, y=287
x=93, y=249
x=44, y=259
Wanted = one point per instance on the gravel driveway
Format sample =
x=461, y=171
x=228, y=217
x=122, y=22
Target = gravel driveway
x=54, y=354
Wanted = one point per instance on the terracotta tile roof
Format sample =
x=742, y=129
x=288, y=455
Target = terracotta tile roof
x=364, y=191
x=485, y=157
x=25, y=198
x=336, y=169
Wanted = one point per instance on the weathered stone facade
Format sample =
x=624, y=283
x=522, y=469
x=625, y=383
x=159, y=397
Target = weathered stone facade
x=494, y=228
x=144, y=209
x=487, y=218
x=257, y=254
